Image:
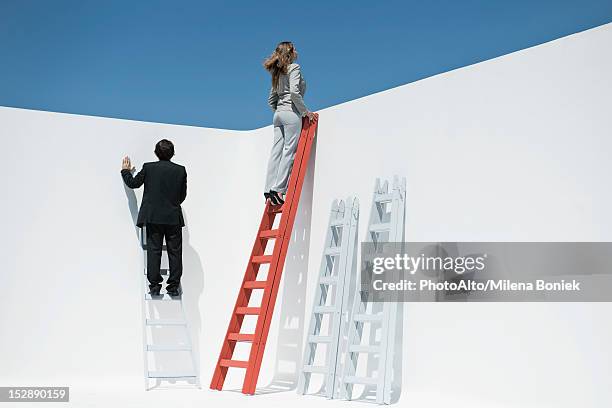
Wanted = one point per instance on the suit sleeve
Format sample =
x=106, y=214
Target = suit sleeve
x=133, y=182
x=294, y=89
x=273, y=98
x=184, y=187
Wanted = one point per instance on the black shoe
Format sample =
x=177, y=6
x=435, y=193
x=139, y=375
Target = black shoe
x=154, y=291
x=274, y=195
x=173, y=292
x=270, y=196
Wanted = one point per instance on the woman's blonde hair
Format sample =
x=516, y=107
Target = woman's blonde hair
x=277, y=63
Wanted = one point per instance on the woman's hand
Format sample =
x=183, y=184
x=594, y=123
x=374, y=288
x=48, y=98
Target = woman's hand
x=311, y=116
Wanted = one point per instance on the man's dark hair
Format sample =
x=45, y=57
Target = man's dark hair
x=164, y=149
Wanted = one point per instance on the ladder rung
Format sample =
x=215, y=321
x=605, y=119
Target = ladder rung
x=171, y=374
x=319, y=339
x=255, y=284
x=164, y=297
x=333, y=251
x=358, y=348
x=276, y=209
x=360, y=380
x=324, y=309
x=385, y=226
x=381, y=198
x=360, y=317
x=241, y=337
x=248, y=310
x=168, y=347
x=326, y=280
x=269, y=233
x=337, y=222
x=166, y=322
x=234, y=363
x=314, y=369
x=262, y=259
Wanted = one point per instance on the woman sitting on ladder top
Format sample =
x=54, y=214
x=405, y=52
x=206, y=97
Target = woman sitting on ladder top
x=286, y=100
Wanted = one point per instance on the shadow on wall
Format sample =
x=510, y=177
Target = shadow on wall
x=293, y=306
x=192, y=282
x=133, y=206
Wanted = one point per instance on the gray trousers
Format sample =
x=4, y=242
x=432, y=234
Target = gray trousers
x=287, y=128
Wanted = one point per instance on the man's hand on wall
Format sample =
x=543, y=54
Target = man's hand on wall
x=127, y=164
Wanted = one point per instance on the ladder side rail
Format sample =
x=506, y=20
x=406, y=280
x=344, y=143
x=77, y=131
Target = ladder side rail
x=354, y=337
x=389, y=312
x=392, y=307
x=195, y=364
x=348, y=305
x=143, y=300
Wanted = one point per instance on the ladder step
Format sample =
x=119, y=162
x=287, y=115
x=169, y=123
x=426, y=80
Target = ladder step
x=334, y=251
x=327, y=280
x=314, y=369
x=360, y=380
x=248, y=310
x=275, y=209
x=166, y=322
x=234, y=363
x=361, y=317
x=255, y=284
x=164, y=297
x=358, y=348
x=241, y=337
x=382, y=198
x=319, y=339
x=171, y=374
x=381, y=227
x=324, y=309
x=268, y=233
x=262, y=259
x=337, y=222
x=158, y=347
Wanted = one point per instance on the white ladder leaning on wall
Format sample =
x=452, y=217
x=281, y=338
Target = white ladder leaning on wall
x=151, y=322
x=386, y=224
x=331, y=305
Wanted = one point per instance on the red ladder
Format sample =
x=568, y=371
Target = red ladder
x=281, y=237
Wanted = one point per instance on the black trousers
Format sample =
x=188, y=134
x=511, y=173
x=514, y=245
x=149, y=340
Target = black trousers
x=174, y=246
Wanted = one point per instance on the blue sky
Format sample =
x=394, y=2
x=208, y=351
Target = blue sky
x=199, y=63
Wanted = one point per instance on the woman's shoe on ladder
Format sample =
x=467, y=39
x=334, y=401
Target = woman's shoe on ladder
x=270, y=197
x=274, y=196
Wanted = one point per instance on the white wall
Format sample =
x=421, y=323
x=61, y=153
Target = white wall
x=512, y=149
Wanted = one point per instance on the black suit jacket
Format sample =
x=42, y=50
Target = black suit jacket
x=165, y=188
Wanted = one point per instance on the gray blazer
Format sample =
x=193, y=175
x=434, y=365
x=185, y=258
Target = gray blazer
x=289, y=95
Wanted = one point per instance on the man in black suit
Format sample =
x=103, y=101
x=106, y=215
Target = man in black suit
x=165, y=188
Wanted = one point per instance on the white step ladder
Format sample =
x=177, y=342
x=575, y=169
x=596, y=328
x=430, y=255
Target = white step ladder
x=386, y=224
x=150, y=322
x=337, y=272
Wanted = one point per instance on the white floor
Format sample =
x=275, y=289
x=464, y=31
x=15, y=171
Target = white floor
x=89, y=395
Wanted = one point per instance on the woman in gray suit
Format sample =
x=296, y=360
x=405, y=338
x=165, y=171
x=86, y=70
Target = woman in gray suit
x=286, y=100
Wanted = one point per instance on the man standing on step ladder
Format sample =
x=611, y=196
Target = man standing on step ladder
x=165, y=189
